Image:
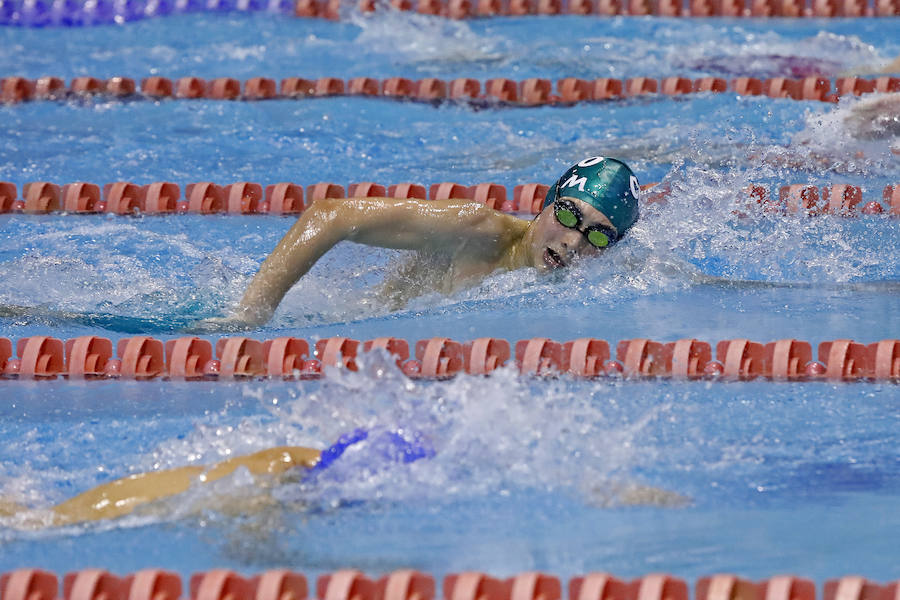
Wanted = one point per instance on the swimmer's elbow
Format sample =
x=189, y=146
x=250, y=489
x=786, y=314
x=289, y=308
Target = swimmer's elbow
x=334, y=217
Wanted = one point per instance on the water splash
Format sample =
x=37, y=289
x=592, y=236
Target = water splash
x=488, y=435
x=421, y=38
x=859, y=137
x=769, y=54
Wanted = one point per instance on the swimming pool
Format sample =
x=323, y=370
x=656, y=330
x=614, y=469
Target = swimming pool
x=529, y=474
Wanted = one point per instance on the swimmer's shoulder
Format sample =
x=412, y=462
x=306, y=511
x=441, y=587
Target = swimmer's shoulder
x=456, y=213
x=449, y=205
x=493, y=223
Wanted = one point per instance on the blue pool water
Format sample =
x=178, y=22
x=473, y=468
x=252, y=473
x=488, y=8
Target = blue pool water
x=758, y=478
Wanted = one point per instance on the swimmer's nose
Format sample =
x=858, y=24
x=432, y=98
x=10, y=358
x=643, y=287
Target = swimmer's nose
x=569, y=250
x=573, y=242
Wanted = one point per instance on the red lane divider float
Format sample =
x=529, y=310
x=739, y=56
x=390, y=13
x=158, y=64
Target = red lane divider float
x=163, y=197
x=462, y=9
x=349, y=584
x=835, y=199
x=499, y=91
x=193, y=358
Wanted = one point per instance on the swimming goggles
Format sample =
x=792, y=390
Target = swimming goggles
x=569, y=216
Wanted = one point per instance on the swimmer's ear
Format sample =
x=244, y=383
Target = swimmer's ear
x=534, y=218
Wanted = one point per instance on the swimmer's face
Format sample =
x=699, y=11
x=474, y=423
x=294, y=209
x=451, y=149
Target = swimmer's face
x=555, y=246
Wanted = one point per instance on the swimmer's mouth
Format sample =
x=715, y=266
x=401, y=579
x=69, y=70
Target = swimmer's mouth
x=553, y=259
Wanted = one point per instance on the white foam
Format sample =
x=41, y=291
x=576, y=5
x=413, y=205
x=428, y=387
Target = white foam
x=421, y=37
x=489, y=435
x=856, y=136
x=770, y=53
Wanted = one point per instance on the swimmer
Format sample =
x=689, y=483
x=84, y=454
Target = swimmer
x=848, y=138
x=459, y=241
x=269, y=467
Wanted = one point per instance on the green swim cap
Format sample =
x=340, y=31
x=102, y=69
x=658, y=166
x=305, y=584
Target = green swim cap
x=606, y=184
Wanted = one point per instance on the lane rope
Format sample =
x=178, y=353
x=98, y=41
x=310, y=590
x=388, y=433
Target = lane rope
x=77, y=13
x=464, y=9
x=350, y=584
x=229, y=358
x=69, y=13
x=497, y=92
x=248, y=198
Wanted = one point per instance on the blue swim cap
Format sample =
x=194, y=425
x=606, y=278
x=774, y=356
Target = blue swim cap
x=606, y=184
x=386, y=446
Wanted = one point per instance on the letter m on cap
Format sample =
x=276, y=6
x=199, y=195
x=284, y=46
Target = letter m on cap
x=575, y=181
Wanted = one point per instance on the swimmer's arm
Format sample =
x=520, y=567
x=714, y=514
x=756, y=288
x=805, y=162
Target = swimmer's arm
x=385, y=222
x=123, y=496
x=315, y=232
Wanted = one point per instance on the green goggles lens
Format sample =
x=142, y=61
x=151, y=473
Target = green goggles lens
x=598, y=238
x=567, y=218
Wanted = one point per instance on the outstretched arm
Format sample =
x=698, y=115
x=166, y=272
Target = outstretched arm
x=407, y=224
x=121, y=497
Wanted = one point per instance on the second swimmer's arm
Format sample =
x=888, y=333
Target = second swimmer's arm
x=123, y=496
